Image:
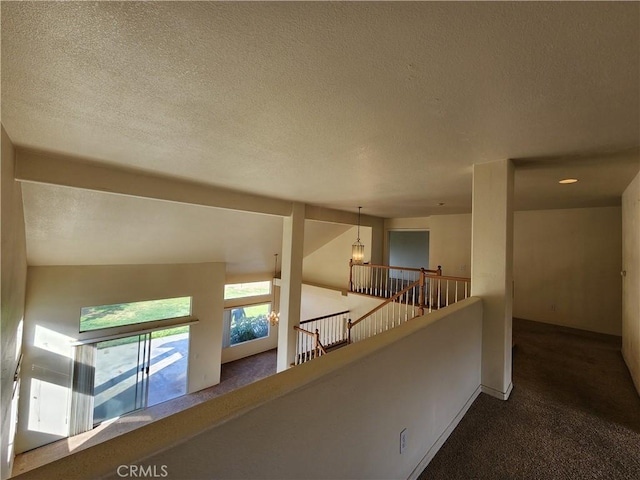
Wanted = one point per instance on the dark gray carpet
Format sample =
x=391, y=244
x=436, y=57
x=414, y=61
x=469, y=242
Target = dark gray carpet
x=573, y=414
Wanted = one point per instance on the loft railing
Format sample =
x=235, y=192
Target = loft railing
x=409, y=292
x=317, y=335
x=383, y=280
x=442, y=291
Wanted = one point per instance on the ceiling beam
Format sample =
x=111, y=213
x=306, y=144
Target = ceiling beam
x=34, y=166
x=54, y=169
x=323, y=214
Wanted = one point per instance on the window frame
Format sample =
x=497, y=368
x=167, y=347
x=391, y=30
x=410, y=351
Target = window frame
x=243, y=302
x=227, y=319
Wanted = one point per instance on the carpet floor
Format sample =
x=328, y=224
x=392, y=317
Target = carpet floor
x=573, y=414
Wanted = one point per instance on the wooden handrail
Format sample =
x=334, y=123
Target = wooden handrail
x=295, y=327
x=323, y=317
x=318, y=347
x=445, y=277
x=389, y=267
x=386, y=302
x=431, y=285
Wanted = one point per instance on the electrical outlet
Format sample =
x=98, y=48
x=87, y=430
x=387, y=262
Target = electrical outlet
x=403, y=440
x=553, y=307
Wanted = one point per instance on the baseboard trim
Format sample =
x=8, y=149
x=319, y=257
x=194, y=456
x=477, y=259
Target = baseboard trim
x=634, y=378
x=443, y=437
x=497, y=393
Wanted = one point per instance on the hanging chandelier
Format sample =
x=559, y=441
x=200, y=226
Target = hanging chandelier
x=274, y=315
x=357, y=249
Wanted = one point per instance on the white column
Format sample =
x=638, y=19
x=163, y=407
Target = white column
x=492, y=270
x=291, y=285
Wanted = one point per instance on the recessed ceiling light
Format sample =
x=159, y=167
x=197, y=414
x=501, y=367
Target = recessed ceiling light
x=567, y=181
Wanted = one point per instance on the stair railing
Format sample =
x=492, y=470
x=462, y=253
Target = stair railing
x=427, y=293
x=384, y=280
x=401, y=307
x=308, y=345
x=316, y=335
x=408, y=293
x=332, y=327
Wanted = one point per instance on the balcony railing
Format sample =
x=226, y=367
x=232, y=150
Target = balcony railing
x=382, y=280
x=407, y=293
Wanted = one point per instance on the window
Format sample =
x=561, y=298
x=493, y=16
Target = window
x=119, y=314
x=246, y=323
x=242, y=290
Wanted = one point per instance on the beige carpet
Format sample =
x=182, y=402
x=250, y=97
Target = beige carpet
x=573, y=414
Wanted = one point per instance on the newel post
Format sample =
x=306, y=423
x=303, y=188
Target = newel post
x=439, y=287
x=316, y=347
x=349, y=332
x=421, y=293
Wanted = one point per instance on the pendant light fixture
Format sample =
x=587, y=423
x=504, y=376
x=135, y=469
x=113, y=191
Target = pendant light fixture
x=357, y=249
x=274, y=315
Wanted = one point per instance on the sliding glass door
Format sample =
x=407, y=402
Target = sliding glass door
x=139, y=371
x=168, y=366
x=121, y=377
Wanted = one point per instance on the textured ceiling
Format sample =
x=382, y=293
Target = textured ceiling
x=337, y=104
x=385, y=105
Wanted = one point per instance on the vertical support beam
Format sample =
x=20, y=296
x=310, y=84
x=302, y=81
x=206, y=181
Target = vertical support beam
x=291, y=285
x=492, y=270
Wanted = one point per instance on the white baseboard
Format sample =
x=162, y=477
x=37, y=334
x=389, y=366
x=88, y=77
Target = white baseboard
x=635, y=378
x=443, y=437
x=497, y=393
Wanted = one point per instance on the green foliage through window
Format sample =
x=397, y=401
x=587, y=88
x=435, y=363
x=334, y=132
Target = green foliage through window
x=242, y=290
x=107, y=316
x=248, y=323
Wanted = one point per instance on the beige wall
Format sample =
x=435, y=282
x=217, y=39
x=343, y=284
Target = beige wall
x=631, y=281
x=55, y=296
x=375, y=225
x=567, y=258
x=450, y=244
x=14, y=273
x=567, y=268
x=329, y=265
x=336, y=417
x=317, y=301
x=411, y=223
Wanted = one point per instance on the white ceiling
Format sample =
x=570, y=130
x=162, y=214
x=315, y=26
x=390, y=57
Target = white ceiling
x=69, y=226
x=381, y=104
